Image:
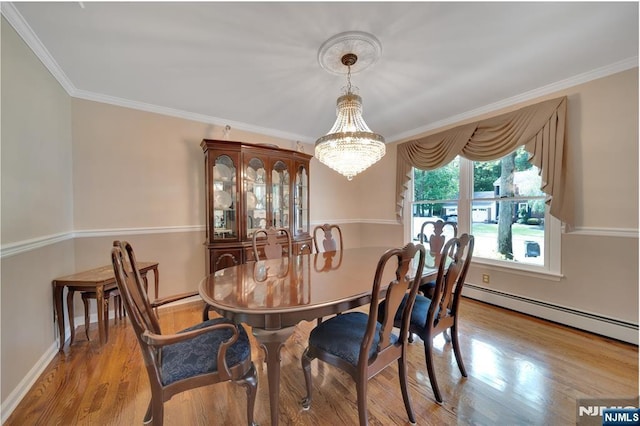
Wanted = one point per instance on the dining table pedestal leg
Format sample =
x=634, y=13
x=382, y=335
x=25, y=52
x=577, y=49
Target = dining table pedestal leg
x=272, y=342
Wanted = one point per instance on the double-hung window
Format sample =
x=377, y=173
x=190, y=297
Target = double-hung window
x=500, y=203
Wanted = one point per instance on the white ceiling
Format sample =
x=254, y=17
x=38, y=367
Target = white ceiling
x=254, y=66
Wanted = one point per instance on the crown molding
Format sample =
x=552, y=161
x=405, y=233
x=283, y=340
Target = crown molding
x=23, y=29
x=601, y=72
x=201, y=118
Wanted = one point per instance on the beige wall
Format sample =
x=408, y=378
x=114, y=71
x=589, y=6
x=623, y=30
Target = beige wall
x=603, y=144
x=37, y=203
x=160, y=160
x=70, y=165
x=36, y=146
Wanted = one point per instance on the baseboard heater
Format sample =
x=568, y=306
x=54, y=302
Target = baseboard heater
x=598, y=324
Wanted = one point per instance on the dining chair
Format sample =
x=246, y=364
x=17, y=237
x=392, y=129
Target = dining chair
x=435, y=234
x=435, y=315
x=360, y=345
x=331, y=236
x=210, y=352
x=273, y=248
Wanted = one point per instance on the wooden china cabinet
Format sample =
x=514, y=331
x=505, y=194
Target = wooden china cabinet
x=251, y=187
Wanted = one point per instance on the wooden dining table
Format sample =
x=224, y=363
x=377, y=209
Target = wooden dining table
x=272, y=296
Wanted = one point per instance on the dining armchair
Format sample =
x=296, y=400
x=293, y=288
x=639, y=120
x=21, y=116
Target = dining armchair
x=439, y=313
x=360, y=345
x=210, y=352
x=331, y=236
x=273, y=249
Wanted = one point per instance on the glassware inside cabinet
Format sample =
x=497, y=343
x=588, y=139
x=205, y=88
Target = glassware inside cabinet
x=256, y=195
x=224, y=198
x=301, y=201
x=280, y=195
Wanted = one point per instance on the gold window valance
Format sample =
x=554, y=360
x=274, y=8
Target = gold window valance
x=540, y=128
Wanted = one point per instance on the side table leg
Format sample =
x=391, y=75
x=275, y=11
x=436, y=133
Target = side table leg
x=156, y=281
x=57, y=302
x=100, y=305
x=272, y=342
x=71, y=313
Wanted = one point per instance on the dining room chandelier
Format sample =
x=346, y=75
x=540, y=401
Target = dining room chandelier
x=350, y=147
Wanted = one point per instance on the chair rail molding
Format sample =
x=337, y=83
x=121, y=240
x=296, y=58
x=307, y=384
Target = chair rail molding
x=605, y=232
x=23, y=246
x=18, y=247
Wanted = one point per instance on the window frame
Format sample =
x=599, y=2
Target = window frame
x=553, y=229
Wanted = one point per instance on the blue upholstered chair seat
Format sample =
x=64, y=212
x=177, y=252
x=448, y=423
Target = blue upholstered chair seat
x=342, y=336
x=427, y=288
x=418, y=313
x=200, y=354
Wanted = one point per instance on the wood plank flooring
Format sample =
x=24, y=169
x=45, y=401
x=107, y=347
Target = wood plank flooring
x=522, y=371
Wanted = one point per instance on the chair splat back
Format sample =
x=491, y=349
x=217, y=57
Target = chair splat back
x=134, y=294
x=331, y=236
x=450, y=281
x=436, y=233
x=273, y=248
x=406, y=275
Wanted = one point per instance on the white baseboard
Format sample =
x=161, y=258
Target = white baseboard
x=609, y=327
x=14, y=398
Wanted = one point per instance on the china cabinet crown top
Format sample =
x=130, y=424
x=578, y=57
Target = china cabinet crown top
x=238, y=146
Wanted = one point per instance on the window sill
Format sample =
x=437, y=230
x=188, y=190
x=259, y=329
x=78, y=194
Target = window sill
x=520, y=269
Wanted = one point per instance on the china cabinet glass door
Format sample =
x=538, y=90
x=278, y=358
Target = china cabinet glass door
x=280, y=195
x=224, y=199
x=255, y=186
x=301, y=201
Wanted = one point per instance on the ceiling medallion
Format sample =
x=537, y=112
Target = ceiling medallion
x=364, y=45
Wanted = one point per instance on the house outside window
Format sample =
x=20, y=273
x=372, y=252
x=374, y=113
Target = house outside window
x=500, y=203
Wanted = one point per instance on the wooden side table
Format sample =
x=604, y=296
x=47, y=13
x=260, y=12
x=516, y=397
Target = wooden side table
x=97, y=280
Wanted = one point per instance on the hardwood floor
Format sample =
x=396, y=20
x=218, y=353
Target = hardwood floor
x=522, y=371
